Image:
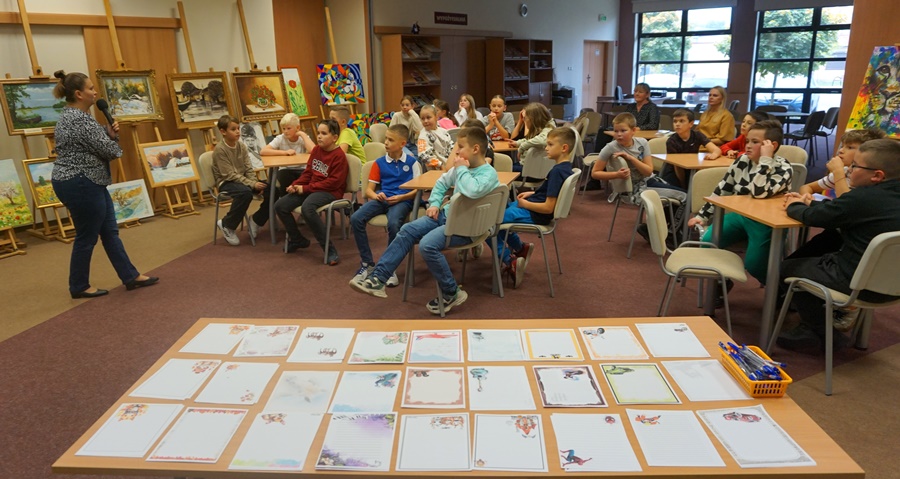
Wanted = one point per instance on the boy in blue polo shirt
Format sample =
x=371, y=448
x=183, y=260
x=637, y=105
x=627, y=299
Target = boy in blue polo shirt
x=384, y=196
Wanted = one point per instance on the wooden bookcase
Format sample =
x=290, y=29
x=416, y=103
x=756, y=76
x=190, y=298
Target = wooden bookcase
x=540, y=62
x=412, y=66
x=521, y=69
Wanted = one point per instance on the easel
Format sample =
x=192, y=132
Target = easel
x=350, y=106
x=9, y=246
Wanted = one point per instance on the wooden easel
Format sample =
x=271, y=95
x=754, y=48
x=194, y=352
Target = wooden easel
x=334, y=59
x=178, y=195
x=9, y=246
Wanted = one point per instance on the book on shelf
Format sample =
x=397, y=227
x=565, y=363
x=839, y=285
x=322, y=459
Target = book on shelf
x=416, y=51
x=422, y=100
x=415, y=77
x=429, y=73
x=513, y=52
x=512, y=92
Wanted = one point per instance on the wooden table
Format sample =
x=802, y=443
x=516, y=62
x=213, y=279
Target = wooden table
x=831, y=460
x=645, y=134
x=692, y=162
x=273, y=163
x=504, y=146
x=770, y=212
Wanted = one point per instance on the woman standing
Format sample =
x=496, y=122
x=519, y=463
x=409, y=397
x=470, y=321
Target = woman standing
x=646, y=113
x=81, y=172
x=717, y=123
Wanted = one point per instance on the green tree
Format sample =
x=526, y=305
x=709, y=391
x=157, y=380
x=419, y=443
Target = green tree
x=15, y=94
x=663, y=49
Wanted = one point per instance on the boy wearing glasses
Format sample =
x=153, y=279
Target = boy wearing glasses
x=871, y=207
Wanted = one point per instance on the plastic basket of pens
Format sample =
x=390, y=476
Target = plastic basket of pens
x=756, y=371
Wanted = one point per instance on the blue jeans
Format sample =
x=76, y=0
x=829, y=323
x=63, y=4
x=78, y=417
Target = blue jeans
x=396, y=215
x=93, y=216
x=513, y=214
x=430, y=235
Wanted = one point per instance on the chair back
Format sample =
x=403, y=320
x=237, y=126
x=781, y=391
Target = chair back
x=619, y=185
x=378, y=131
x=578, y=151
x=665, y=122
x=594, y=121
x=502, y=162
x=364, y=174
x=374, y=150
x=566, y=195
x=656, y=220
x=673, y=101
x=770, y=108
x=734, y=105
x=798, y=179
x=476, y=218
x=535, y=164
x=583, y=128
x=618, y=93
x=831, y=118
x=485, y=111
x=813, y=123
x=207, y=179
x=877, y=270
x=793, y=153
x=353, y=173
x=703, y=183
x=454, y=132
x=657, y=147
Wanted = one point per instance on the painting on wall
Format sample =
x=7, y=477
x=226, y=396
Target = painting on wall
x=295, y=90
x=340, y=83
x=878, y=102
x=29, y=106
x=130, y=200
x=252, y=135
x=39, y=172
x=199, y=99
x=360, y=124
x=168, y=162
x=14, y=209
x=131, y=94
x=261, y=95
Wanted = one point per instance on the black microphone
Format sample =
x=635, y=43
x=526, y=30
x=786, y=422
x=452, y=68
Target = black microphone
x=103, y=105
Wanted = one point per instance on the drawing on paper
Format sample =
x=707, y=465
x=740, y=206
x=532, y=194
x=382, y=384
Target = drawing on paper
x=130, y=200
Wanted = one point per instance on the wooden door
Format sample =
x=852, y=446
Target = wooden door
x=454, y=69
x=595, y=81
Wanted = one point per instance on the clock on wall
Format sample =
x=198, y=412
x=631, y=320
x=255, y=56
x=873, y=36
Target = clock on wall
x=523, y=10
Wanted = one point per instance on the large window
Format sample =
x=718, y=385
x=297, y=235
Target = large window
x=800, y=56
x=684, y=52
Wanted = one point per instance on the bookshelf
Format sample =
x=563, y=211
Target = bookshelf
x=412, y=66
x=540, y=62
x=521, y=69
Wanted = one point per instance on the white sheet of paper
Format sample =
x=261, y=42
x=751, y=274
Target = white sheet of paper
x=379, y=347
x=434, y=442
x=568, y=386
x=753, y=438
x=436, y=347
x=638, y=384
x=612, y=343
x=267, y=341
x=705, y=380
x=238, y=383
x=200, y=435
x=593, y=442
x=499, y=388
x=302, y=391
x=671, y=340
x=673, y=438
x=131, y=430
x=322, y=345
x=509, y=443
x=277, y=441
x=551, y=345
x=366, y=391
x=358, y=441
x=177, y=379
x=495, y=345
x=434, y=388
x=216, y=338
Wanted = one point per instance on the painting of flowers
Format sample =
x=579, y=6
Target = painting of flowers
x=14, y=210
x=131, y=95
x=340, y=83
x=261, y=95
x=199, y=99
x=130, y=200
x=295, y=91
x=168, y=162
x=38, y=172
x=29, y=106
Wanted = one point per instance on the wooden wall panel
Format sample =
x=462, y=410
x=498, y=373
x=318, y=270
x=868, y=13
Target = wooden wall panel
x=301, y=39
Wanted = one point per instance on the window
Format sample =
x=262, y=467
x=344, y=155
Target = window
x=800, y=56
x=684, y=52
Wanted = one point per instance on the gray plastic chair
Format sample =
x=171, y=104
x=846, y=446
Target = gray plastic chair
x=378, y=131
x=502, y=162
x=220, y=198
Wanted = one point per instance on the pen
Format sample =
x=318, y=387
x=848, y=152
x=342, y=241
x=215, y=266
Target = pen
x=747, y=370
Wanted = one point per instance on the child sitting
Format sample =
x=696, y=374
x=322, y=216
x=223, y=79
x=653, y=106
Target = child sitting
x=444, y=120
x=738, y=146
x=408, y=117
x=758, y=173
x=348, y=141
x=234, y=175
x=471, y=177
x=291, y=141
x=535, y=122
x=498, y=123
x=387, y=174
x=837, y=183
x=434, y=142
x=466, y=110
x=685, y=140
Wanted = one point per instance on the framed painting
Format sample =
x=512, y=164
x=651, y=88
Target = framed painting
x=38, y=171
x=131, y=201
x=878, y=102
x=168, y=162
x=261, y=95
x=340, y=83
x=14, y=209
x=294, y=90
x=199, y=99
x=131, y=94
x=29, y=106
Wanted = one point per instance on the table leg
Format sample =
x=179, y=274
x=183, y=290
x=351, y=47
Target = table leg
x=688, y=208
x=773, y=274
x=709, y=300
x=409, y=280
x=273, y=171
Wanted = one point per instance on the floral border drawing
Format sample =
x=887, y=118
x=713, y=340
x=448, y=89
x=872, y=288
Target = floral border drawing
x=131, y=94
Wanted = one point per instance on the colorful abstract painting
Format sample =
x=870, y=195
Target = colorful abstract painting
x=361, y=123
x=14, y=210
x=340, y=83
x=878, y=102
x=295, y=91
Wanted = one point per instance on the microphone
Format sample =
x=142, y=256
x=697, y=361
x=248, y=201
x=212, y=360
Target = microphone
x=103, y=105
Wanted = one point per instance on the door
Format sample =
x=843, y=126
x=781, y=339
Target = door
x=595, y=81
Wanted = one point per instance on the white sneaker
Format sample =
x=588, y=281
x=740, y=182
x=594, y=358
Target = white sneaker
x=253, y=228
x=364, y=271
x=229, y=234
x=393, y=281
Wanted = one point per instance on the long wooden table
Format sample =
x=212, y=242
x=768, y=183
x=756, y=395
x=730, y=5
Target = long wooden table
x=692, y=162
x=645, y=134
x=831, y=461
x=273, y=163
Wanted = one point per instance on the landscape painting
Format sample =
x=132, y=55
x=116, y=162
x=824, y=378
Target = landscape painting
x=131, y=94
x=130, y=200
x=295, y=91
x=261, y=95
x=168, y=162
x=29, y=106
x=878, y=102
x=199, y=99
x=38, y=172
x=14, y=210
x=340, y=83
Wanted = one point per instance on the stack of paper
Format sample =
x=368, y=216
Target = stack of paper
x=131, y=430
